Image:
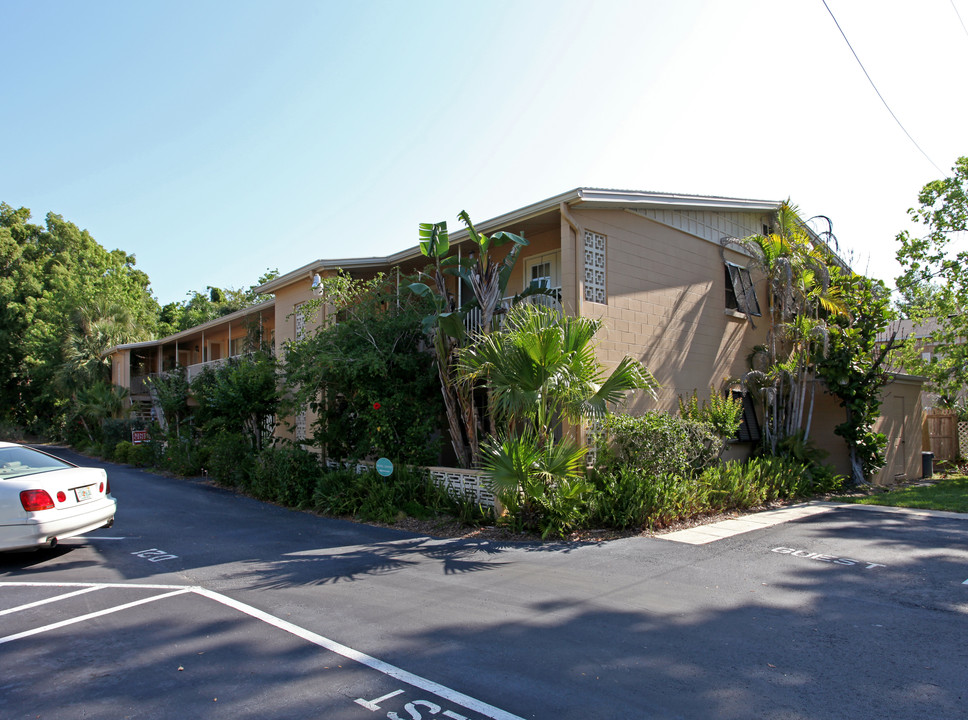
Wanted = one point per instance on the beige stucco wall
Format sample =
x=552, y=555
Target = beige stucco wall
x=666, y=306
x=288, y=299
x=121, y=368
x=900, y=421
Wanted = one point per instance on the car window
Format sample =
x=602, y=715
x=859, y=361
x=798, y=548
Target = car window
x=20, y=461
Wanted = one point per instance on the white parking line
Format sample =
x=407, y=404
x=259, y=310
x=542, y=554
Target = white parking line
x=89, y=616
x=371, y=662
x=387, y=669
x=49, y=600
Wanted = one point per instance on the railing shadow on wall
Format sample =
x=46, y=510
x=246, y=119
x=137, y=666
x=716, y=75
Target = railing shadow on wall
x=472, y=321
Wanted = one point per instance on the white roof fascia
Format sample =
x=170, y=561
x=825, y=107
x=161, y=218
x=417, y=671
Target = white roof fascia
x=626, y=198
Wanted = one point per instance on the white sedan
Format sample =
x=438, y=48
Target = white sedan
x=44, y=499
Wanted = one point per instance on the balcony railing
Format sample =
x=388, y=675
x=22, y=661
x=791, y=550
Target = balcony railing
x=139, y=384
x=472, y=321
x=193, y=371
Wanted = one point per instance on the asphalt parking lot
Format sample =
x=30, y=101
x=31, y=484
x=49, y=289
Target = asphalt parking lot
x=154, y=651
x=243, y=610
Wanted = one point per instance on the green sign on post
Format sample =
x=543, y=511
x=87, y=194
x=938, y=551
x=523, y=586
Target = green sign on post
x=384, y=467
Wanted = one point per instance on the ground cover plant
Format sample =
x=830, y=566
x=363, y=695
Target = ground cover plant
x=291, y=476
x=657, y=469
x=949, y=494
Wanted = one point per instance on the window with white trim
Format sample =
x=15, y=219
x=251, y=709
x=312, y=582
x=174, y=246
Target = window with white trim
x=595, y=266
x=740, y=293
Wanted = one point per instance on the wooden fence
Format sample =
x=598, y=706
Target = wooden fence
x=942, y=434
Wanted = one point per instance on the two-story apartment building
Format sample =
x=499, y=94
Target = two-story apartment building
x=202, y=346
x=652, y=266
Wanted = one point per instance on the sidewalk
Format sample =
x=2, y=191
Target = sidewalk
x=702, y=534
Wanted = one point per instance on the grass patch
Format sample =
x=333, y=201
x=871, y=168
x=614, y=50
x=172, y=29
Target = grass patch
x=949, y=494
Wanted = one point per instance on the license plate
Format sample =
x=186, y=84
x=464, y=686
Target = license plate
x=83, y=493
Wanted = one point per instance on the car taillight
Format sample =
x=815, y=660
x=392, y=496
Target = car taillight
x=34, y=500
x=100, y=488
x=61, y=496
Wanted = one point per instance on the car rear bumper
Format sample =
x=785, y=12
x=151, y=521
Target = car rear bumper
x=43, y=526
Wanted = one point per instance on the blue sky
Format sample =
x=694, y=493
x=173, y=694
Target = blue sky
x=216, y=139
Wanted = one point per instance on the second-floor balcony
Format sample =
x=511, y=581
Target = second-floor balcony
x=472, y=321
x=139, y=383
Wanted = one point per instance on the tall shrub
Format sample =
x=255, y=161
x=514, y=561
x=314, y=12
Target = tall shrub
x=241, y=396
x=797, y=265
x=656, y=443
x=369, y=377
x=484, y=276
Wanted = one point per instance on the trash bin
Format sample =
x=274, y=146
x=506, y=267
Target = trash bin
x=927, y=464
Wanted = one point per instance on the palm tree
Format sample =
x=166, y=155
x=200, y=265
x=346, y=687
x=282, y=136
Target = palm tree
x=94, y=329
x=84, y=373
x=796, y=263
x=98, y=401
x=540, y=370
x=486, y=278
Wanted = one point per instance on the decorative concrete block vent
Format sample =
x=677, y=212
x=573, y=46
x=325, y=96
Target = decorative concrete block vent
x=469, y=484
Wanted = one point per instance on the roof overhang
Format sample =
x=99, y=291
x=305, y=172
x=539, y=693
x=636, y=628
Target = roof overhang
x=224, y=319
x=579, y=198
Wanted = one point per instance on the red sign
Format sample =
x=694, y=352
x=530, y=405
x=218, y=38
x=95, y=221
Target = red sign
x=139, y=436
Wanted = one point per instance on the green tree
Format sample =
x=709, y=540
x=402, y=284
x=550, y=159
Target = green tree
x=485, y=278
x=171, y=392
x=215, y=302
x=369, y=378
x=239, y=396
x=541, y=371
x=930, y=307
x=922, y=299
x=53, y=277
x=854, y=367
x=934, y=281
x=95, y=402
x=797, y=267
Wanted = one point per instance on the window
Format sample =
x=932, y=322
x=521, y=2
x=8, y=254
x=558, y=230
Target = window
x=595, y=267
x=541, y=271
x=541, y=275
x=740, y=293
x=22, y=461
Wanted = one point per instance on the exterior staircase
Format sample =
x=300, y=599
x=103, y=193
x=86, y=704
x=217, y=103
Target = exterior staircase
x=143, y=410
